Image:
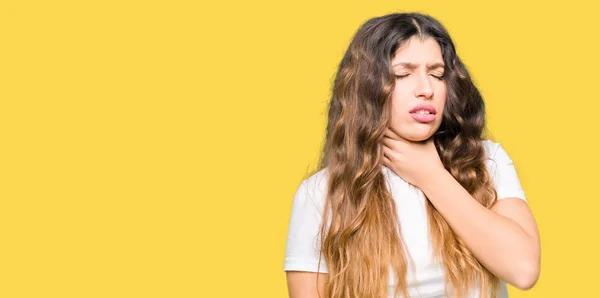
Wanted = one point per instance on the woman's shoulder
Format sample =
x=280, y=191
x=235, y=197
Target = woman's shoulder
x=503, y=171
x=491, y=148
x=316, y=187
x=317, y=183
x=317, y=180
x=496, y=154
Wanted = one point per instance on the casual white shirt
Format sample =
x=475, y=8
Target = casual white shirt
x=302, y=247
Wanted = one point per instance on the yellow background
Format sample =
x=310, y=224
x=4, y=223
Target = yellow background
x=152, y=148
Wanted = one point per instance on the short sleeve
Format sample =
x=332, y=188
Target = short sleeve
x=505, y=177
x=302, y=246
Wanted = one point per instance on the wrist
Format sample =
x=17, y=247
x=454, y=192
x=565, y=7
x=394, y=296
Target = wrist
x=432, y=178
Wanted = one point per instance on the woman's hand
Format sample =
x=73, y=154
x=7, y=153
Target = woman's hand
x=412, y=161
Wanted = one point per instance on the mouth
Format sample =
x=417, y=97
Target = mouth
x=423, y=113
x=423, y=109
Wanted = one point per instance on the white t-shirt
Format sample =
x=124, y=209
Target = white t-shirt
x=302, y=247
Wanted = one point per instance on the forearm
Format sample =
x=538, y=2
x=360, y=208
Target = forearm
x=498, y=242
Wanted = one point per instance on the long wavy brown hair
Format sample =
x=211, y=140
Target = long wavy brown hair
x=360, y=237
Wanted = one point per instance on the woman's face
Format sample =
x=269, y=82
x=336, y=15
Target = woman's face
x=419, y=96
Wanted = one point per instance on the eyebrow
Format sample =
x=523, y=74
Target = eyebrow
x=413, y=65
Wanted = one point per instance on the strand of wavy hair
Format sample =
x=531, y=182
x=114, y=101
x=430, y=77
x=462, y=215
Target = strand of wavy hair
x=363, y=239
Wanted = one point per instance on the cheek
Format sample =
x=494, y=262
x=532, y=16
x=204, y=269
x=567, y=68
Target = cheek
x=399, y=108
x=443, y=96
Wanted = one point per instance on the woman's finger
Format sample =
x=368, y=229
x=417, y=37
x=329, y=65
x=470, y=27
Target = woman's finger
x=386, y=162
x=388, y=152
x=387, y=142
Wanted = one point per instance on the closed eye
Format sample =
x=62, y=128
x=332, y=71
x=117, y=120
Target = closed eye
x=441, y=78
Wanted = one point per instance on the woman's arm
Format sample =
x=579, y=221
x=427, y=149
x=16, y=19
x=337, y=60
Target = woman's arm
x=303, y=284
x=504, y=239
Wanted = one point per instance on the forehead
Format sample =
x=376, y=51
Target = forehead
x=414, y=50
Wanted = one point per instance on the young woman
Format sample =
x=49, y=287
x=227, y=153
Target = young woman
x=409, y=200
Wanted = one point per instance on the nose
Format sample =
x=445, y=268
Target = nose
x=424, y=88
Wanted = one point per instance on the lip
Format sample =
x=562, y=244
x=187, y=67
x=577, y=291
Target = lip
x=423, y=118
x=424, y=107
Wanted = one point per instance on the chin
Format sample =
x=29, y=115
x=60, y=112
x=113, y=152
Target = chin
x=418, y=133
x=416, y=136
